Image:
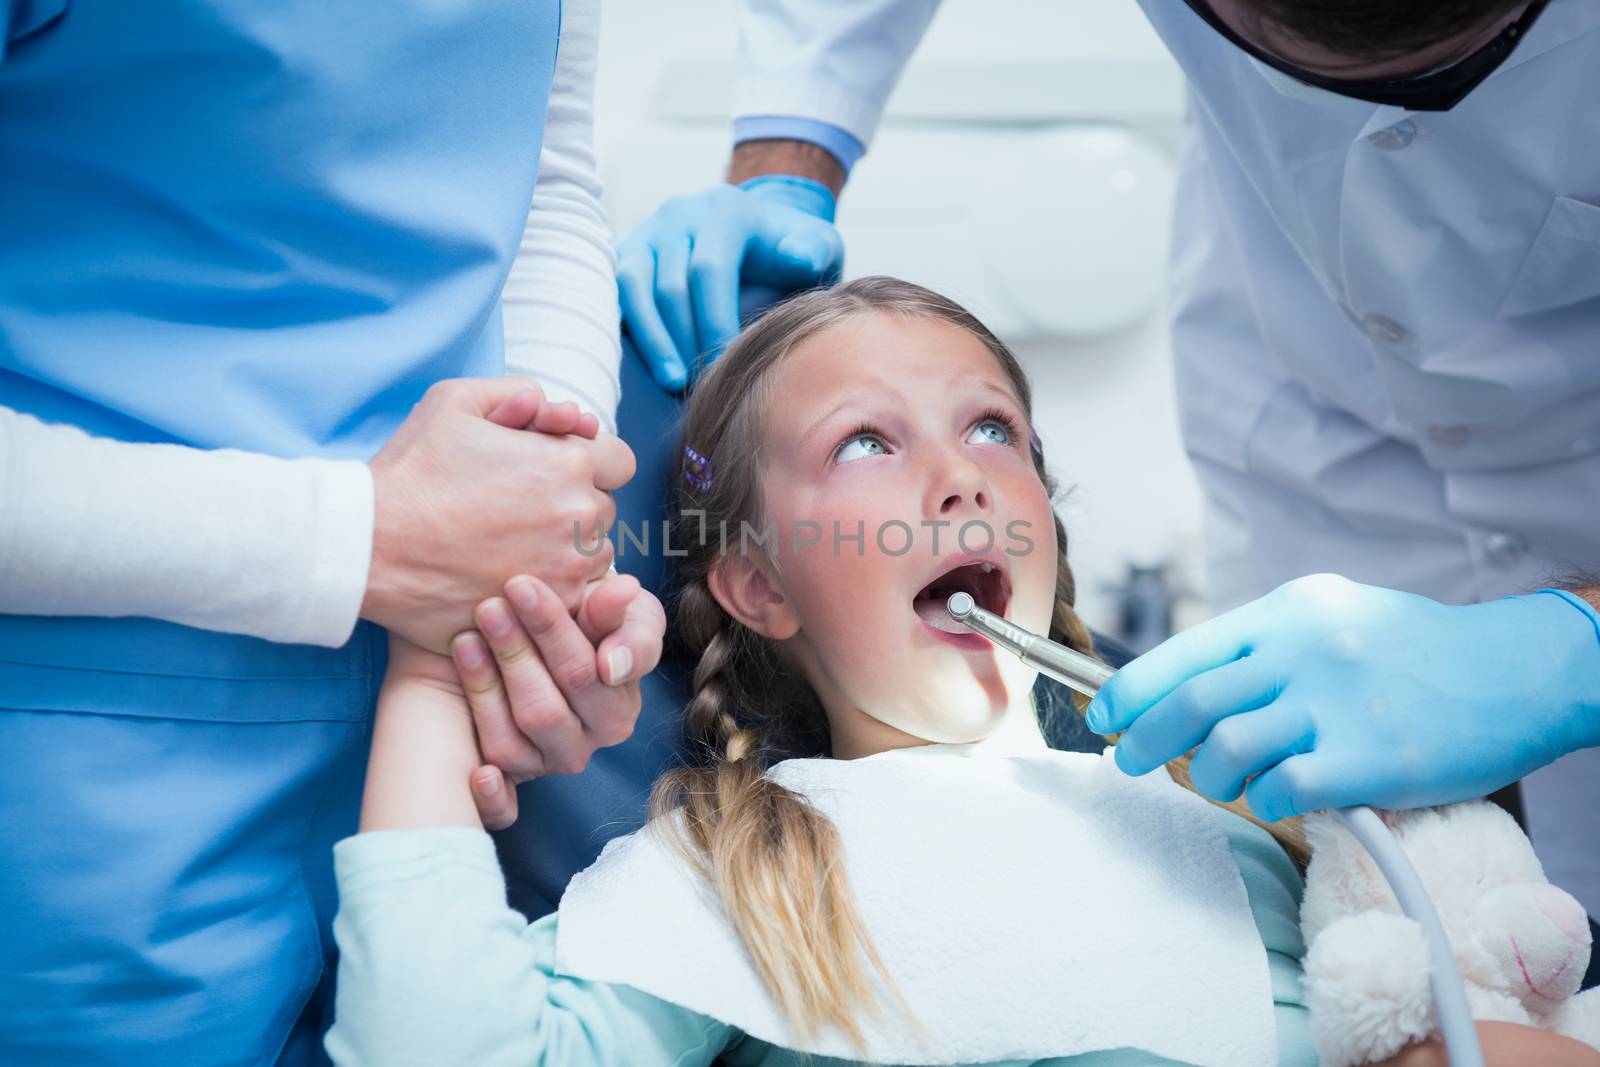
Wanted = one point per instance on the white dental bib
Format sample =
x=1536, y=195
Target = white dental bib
x=1028, y=906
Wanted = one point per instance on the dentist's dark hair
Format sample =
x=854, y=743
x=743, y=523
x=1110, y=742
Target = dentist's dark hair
x=773, y=859
x=1373, y=29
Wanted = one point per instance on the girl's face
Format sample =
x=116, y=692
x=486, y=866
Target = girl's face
x=896, y=471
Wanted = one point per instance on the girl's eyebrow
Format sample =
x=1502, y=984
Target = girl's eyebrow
x=993, y=388
x=856, y=397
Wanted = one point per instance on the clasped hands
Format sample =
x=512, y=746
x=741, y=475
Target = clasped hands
x=491, y=572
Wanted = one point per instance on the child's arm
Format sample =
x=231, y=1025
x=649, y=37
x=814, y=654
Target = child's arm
x=434, y=967
x=1505, y=1045
x=537, y=692
x=423, y=747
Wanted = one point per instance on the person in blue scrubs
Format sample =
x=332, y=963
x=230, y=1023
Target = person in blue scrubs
x=238, y=243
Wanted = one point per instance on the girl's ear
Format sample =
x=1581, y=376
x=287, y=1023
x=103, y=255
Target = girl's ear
x=745, y=592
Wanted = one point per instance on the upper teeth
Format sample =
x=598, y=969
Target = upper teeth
x=987, y=567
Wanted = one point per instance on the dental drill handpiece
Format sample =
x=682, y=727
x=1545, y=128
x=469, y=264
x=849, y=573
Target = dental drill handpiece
x=1071, y=668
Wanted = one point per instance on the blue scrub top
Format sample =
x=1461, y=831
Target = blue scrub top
x=266, y=226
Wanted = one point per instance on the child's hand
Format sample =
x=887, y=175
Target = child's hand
x=547, y=690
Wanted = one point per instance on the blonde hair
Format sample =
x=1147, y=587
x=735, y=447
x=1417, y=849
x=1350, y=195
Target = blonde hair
x=773, y=859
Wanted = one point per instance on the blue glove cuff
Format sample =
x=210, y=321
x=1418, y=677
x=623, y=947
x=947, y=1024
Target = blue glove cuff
x=1591, y=728
x=1582, y=605
x=803, y=194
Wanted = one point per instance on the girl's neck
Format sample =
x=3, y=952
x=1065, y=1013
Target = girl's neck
x=860, y=735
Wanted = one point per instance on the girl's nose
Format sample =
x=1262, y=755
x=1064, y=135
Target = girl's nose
x=979, y=498
x=963, y=486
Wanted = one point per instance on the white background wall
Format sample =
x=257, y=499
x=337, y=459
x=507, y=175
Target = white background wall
x=991, y=79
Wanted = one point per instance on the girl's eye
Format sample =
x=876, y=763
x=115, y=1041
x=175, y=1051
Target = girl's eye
x=991, y=431
x=860, y=445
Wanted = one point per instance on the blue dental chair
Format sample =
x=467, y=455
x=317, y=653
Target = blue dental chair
x=566, y=821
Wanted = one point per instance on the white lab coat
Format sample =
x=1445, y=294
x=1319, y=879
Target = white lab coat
x=1387, y=324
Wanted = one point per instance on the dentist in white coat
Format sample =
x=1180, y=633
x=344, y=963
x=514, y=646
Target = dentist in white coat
x=1386, y=282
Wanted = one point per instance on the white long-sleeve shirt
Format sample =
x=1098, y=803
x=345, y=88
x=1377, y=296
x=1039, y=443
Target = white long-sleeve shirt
x=277, y=548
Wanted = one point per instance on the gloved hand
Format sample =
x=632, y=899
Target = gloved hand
x=1334, y=694
x=679, y=274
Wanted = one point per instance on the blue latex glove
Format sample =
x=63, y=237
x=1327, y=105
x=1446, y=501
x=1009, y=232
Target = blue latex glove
x=679, y=275
x=1335, y=694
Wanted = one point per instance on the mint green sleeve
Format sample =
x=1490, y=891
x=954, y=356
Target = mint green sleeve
x=1274, y=887
x=435, y=968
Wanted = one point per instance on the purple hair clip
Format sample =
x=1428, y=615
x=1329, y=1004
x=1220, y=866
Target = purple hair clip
x=1035, y=444
x=696, y=470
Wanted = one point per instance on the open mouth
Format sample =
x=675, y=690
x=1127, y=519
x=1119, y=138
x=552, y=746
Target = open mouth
x=985, y=582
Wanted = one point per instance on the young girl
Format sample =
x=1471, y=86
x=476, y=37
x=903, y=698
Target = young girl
x=823, y=454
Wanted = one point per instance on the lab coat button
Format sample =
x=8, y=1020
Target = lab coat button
x=1449, y=436
x=1393, y=138
x=1385, y=330
x=1504, y=549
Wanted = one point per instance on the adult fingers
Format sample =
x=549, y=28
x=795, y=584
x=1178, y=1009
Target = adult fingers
x=714, y=290
x=613, y=462
x=528, y=409
x=1244, y=745
x=572, y=661
x=495, y=797
x=1300, y=784
x=672, y=295
x=603, y=604
x=1137, y=687
x=636, y=281
x=597, y=552
x=539, y=707
x=499, y=740
x=486, y=396
x=793, y=249
x=558, y=419
x=1184, y=717
x=633, y=648
x=518, y=409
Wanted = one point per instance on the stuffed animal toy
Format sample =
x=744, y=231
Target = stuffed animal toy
x=1521, y=943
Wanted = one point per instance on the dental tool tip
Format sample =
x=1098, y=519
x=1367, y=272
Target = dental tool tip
x=960, y=605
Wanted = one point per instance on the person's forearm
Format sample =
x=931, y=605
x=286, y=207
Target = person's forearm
x=560, y=300
x=752, y=159
x=221, y=540
x=1504, y=1045
x=424, y=751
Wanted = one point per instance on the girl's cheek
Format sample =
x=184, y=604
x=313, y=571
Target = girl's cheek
x=864, y=508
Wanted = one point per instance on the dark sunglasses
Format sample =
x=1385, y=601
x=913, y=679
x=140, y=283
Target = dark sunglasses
x=1437, y=90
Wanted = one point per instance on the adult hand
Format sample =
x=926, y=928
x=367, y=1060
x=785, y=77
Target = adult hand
x=527, y=409
x=1333, y=694
x=463, y=502
x=679, y=274
x=546, y=689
